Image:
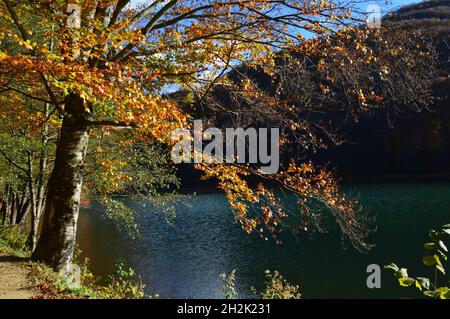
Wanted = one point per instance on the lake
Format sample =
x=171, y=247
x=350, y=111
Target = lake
x=185, y=257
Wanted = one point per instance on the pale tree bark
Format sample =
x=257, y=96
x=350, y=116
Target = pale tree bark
x=24, y=210
x=56, y=244
x=43, y=162
x=58, y=235
x=36, y=188
x=57, y=241
x=13, y=213
x=34, y=212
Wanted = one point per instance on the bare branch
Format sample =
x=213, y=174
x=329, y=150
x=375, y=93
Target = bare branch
x=113, y=123
x=145, y=29
x=12, y=162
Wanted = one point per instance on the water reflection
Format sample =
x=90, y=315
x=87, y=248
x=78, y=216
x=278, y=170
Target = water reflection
x=185, y=259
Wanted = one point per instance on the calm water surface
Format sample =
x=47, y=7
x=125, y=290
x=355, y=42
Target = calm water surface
x=184, y=259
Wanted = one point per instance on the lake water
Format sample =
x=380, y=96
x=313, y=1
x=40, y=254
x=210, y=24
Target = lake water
x=185, y=258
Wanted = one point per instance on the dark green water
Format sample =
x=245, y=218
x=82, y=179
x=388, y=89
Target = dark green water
x=185, y=259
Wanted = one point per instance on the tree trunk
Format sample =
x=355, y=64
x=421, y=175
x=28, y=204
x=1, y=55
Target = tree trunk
x=13, y=215
x=5, y=207
x=34, y=214
x=3, y=212
x=41, y=184
x=24, y=212
x=57, y=241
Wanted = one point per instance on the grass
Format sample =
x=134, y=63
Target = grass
x=13, y=241
x=52, y=286
x=122, y=284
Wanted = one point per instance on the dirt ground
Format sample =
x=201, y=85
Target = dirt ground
x=13, y=279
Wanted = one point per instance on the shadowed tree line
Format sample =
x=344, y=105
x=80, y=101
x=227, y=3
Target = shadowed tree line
x=407, y=135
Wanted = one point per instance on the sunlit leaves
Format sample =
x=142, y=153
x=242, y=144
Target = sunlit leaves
x=315, y=188
x=423, y=284
x=120, y=62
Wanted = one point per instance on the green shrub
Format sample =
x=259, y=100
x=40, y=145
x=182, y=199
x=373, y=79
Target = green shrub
x=124, y=284
x=13, y=241
x=436, y=254
x=277, y=287
x=228, y=286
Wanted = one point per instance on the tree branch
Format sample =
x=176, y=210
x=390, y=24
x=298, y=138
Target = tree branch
x=120, y=5
x=113, y=123
x=33, y=51
x=144, y=13
x=122, y=53
x=12, y=162
x=27, y=95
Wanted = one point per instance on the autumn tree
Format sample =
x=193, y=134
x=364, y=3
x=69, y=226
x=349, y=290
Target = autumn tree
x=109, y=66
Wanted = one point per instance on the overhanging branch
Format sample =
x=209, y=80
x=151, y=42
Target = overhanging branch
x=118, y=124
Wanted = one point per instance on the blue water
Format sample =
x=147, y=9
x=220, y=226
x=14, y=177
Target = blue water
x=184, y=258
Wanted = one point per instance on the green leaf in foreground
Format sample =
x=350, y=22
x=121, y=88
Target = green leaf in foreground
x=406, y=281
x=424, y=282
x=429, y=260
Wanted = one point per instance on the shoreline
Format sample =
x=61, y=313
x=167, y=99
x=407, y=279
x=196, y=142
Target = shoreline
x=210, y=188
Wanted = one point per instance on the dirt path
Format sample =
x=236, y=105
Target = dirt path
x=13, y=279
